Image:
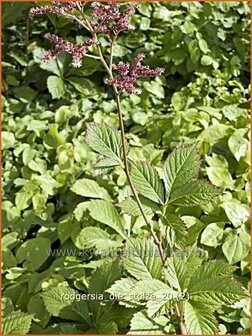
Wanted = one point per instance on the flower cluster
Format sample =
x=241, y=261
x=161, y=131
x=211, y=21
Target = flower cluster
x=128, y=74
x=57, y=8
x=62, y=46
x=110, y=19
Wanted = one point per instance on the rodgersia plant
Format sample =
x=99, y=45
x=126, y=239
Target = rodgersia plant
x=166, y=284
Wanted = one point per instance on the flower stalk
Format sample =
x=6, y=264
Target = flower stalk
x=110, y=22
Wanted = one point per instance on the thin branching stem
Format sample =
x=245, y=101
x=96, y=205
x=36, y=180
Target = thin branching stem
x=92, y=56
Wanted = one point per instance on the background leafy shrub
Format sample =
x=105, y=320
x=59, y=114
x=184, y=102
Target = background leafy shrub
x=203, y=95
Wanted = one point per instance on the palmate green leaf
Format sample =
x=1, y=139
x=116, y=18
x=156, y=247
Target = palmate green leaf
x=143, y=288
x=106, y=213
x=217, y=291
x=102, y=278
x=89, y=188
x=141, y=259
x=129, y=205
x=58, y=329
x=105, y=164
x=16, y=323
x=199, y=319
x=177, y=226
x=161, y=301
x=147, y=181
x=120, y=291
x=213, y=284
x=109, y=328
x=180, y=269
x=95, y=237
x=122, y=316
x=56, y=301
x=194, y=193
x=106, y=141
x=61, y=302
x=213, y=268
x=181, y=166
x=141, y=324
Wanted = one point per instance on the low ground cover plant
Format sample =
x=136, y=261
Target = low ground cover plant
x=112, y=223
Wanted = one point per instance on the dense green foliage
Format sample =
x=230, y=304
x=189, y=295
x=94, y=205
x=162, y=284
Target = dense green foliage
x=58, y=198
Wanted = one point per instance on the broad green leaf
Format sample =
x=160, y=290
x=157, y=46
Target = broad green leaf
x=106, y=213
x=142, y=325
x=8, y=140
x=147, y=181
x=65, y=227
x=80, y=210
x=25, y=92
x=105, y=140
x=141, y=259
x=195, y=193
x=34, y=252
x=56, y=86
x=199, y=319
x=95, y=237
x=38, y=165
x=7, y=306
x=39, y=201
x=64, y=113
x=23, y=199
x=16, y=323
x=212, y=234
x=236, y=212
x=178, y=227
x=130, y=206
x=181, y=166
x=53, y=66
x=214, y=132
x=218, y=172
x=203, y=46
x=28, y=155
x=10, y=240
x=36, y=306
x=8, y=259
x=238, y=144
x=53, y=139
x=236, y=247
x=220, y=176
x=206, y=60
x=83, y=85
x=89, y=188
